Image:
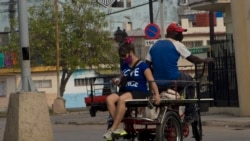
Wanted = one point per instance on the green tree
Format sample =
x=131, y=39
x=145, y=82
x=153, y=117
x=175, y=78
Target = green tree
x=82, y=39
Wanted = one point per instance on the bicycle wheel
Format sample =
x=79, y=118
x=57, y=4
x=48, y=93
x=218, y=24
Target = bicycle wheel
x=170, y=129
x=197, y=129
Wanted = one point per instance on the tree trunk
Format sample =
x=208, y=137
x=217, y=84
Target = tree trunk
x=66, y=73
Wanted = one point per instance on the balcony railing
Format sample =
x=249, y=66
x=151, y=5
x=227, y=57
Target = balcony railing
x=209, y=5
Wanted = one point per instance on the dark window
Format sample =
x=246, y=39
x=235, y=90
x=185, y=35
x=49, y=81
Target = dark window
x=2, y=88
x=43, y=83
x=118, y=3
x=190, y=44
x=128, y=3
x=83, y=81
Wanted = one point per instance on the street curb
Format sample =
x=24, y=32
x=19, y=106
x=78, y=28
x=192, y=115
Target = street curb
x=234, y=124
x=213, y=123
x=79, y=123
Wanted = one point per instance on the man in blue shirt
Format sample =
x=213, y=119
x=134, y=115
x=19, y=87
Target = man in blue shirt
x=163, y=58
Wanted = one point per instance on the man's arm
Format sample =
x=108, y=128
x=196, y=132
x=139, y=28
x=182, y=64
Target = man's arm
x=196, y=60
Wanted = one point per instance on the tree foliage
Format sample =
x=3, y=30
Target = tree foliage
x=83, y=42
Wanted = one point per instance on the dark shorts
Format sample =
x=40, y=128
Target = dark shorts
x=180, y=85
x=136, y=94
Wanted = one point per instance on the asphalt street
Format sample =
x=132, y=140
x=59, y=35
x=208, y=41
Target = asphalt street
x=84, y=118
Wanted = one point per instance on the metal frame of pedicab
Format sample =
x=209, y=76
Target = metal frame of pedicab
x=169, y=125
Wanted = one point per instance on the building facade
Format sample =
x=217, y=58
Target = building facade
x=237, y=24
x=133, y=16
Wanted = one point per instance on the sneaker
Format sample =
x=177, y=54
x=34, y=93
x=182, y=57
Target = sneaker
x=120, y=132
x=108, y=135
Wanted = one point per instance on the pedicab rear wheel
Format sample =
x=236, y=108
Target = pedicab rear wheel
x=170, y=129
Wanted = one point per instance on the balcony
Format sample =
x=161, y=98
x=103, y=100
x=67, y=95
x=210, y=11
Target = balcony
x=209, y=5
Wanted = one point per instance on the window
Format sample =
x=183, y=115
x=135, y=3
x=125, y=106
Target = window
x=83, y=81
x=118, y=4
x=183, y=2
x=190, y=44
x=2, y=88
x=129, y=26
x=128, y=3
x=208, y=42
x=42, y=83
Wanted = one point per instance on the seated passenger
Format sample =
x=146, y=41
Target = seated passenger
x=135, y=88
x=163, y=57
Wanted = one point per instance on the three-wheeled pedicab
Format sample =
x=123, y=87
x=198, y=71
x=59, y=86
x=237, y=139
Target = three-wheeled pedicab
x=145, y=121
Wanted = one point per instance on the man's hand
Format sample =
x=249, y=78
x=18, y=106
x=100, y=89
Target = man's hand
x=209, y=60
x=197, y=60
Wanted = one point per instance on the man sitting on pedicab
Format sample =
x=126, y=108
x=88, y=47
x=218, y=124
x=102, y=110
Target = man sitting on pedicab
x=163, y=58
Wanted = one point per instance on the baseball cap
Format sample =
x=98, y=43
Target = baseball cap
x=175, y=27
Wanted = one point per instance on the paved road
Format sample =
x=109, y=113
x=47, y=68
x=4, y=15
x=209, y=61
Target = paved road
x=94, y=133
x=83, y=117
x=216, y=127
x=80, y=126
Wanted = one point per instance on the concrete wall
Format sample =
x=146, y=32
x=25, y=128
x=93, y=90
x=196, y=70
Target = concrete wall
x=241, y=32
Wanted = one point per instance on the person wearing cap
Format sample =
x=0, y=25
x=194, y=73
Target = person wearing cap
x=163, y=58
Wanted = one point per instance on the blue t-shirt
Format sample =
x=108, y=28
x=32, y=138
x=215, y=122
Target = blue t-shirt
x=136, y=79
x=164, y=58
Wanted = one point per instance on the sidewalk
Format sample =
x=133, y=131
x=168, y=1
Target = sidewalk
x=225, y=121
x=84, y=118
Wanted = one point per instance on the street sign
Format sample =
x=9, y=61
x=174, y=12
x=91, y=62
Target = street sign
x=149, y=43
x=152, y=31
x=106, y=3
x=198, y=50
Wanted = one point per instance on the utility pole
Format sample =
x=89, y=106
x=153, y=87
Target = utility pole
x=161, y=3
x=57, y=47
x=151, y=11
x=27, y=102
x=27, y=84
x=211, y=27
x=59, y=102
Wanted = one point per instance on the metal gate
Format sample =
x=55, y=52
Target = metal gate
x=222, y=73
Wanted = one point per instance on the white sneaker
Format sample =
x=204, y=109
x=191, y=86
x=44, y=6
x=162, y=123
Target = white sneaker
x=108, y=135
x=120, y=132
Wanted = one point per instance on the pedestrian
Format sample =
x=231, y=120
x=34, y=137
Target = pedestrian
x=163, y=58
x=119, y=35
x=138, y=74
